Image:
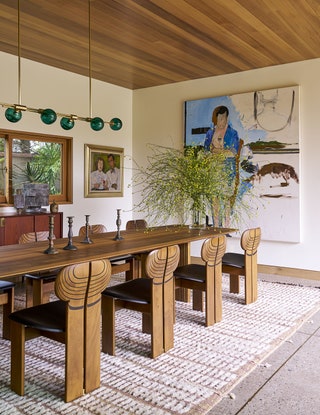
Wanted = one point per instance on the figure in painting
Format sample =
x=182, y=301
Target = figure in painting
x=222, y=138
x=113, y=174
x=98, y=178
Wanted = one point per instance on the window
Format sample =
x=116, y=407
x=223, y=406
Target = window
x=35, y=158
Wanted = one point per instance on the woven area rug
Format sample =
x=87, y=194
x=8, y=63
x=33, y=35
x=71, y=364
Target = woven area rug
x=204, y=365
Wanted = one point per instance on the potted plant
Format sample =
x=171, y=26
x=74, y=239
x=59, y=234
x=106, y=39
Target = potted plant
x=181, y=185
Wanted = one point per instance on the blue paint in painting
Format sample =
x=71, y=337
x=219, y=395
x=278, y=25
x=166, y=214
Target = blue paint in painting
x=198, y=114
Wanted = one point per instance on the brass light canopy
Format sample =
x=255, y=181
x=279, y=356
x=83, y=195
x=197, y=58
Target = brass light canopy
x=48, y=116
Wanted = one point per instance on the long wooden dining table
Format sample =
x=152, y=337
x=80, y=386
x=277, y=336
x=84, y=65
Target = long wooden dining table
x=17, y=260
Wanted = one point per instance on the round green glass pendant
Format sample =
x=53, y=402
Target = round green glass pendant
x=66, y=123
x=97, y=123
x=48, y=116
x=115, y=124
x=12, y=115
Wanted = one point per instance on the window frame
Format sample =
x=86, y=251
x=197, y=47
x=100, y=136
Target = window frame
x=66, y=195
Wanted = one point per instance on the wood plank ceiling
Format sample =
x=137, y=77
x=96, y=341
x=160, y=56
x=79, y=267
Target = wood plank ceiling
x=144, y=43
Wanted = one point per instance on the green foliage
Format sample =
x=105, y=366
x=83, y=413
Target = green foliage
x=32, y=173
x=45, y=167
x=175, y=182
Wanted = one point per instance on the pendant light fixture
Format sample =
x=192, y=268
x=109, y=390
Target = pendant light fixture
x=48, y=116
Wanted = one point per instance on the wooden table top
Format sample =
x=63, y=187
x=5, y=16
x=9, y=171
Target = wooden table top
x=19, y=259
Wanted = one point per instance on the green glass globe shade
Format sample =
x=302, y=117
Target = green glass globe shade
x=48, y=116
x=97, y=123
x=115, y=124
x=12, y=115
x=66, y=123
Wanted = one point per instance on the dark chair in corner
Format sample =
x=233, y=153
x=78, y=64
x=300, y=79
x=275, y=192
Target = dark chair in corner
x=153, y=296
x=7, y=301
x=38, y=285
x=205, y=278
x=74, y=321
x=244, y=264
x=136, y=225
x=123, y=263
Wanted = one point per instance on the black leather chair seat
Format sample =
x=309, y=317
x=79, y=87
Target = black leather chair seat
x=136, y=291
x=46, y=276
x=192, y=272
x=48, y=317
x=5, y=285
x=236, y=260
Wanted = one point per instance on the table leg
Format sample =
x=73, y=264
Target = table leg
x=183, y=294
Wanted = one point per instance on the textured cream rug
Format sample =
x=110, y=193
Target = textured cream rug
x=204, y=365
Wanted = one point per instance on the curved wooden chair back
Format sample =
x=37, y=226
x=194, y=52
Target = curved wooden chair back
x=98, y=228
x=161, y=263
x=134, y=225
x=34, y=237
x=250, y=240
x=81, y=284
x=213, y=250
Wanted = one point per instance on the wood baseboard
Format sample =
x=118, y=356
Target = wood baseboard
x=277, y=270
x=289, y=272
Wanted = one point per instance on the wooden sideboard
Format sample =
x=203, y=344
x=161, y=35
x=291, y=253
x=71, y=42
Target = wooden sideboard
x=12, y=225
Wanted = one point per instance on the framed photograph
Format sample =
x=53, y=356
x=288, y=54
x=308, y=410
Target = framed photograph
x=103, y=171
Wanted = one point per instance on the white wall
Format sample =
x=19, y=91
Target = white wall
x=158, y=118
x=46, y=87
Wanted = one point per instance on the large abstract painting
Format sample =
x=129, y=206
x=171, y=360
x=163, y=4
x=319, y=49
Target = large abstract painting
x=264, y=128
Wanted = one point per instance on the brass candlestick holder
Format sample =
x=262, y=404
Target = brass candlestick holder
x=118, y=237
x=87, y=239
x=51, y=250
x=70, y=246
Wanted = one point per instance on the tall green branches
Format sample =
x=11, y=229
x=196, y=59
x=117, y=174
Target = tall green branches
x=174, y=182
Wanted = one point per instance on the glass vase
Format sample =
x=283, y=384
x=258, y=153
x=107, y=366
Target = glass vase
x=198, y=219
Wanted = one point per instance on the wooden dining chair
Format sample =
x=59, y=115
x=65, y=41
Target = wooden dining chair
x=153, y=296
x=245, y=264
x=97, y=228
x=139, y=263
x=39, y=285
x=7, y=301
x=134, y=225
x=73, y=320
x=205, y=278
x=123, y=263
